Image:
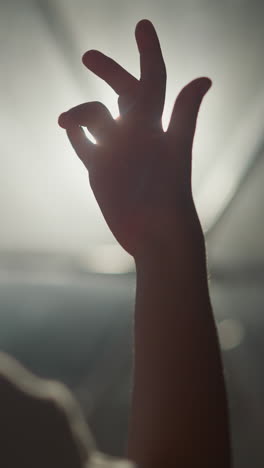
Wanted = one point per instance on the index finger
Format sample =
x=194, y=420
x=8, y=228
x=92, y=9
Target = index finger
x=153, y=70
x=120, y=80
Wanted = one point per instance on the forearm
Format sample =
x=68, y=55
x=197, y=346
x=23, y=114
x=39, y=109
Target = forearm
x=138, y=172
x=179, y=408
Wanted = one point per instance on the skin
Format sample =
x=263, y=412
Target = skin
x=141, y=178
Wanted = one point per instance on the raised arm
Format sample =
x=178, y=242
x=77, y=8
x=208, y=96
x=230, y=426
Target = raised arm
x=179, y=409
x=141, y=178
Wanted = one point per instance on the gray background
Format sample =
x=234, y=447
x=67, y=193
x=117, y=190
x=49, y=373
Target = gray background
x=65, y=309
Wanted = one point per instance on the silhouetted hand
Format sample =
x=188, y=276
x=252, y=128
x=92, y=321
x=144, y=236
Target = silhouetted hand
x=141, y=178
x=140, y=175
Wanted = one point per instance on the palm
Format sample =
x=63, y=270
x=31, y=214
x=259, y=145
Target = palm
x=140, y=174
x=130, y=185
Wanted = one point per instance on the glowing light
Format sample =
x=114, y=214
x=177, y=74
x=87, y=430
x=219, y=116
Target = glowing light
x=223, y=179
x=108, y=258
x=231, y=333
x=111, y=105
x=89, y=135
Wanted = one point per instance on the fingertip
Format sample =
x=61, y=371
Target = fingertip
x=89, y=57
x=144, y=23
x=62, y=120
x=144, y=29
x=65, y=120
x=198, y=87
x=205, y=84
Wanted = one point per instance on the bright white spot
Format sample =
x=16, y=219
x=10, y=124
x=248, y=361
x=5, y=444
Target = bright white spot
x=112, y=107
x=109, y=258
x=166, y=116
x=89, y=135
x=231, y=333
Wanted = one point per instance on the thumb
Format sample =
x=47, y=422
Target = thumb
x=185, y=111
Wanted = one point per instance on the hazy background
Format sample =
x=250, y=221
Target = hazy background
x=65, y=307
x=46, y=203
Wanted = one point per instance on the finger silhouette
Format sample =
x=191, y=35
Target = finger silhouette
x=93, y=115
x=83, y=147
x=153, y=71
x=110, y=71
x=120, y=80
x=184, y=115
x=98, y=120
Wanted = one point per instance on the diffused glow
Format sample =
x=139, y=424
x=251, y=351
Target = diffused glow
x=108, y=258
x=222, y=181
x=231, y=333
x=66, y=216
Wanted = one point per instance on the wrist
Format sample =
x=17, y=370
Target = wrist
x=181, y=242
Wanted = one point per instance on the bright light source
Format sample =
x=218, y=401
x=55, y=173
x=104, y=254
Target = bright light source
x=89, y=135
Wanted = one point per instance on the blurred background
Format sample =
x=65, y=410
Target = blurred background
x=66, y=287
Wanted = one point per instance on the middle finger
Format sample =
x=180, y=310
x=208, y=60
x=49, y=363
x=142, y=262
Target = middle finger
x=153, y=71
